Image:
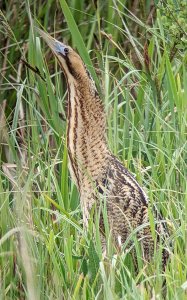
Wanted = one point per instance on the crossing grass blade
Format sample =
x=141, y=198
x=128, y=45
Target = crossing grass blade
x=78, y=40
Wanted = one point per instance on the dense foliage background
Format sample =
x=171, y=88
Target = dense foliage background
x=138, y=58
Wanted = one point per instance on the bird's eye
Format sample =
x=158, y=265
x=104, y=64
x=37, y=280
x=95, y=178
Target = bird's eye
x=66, y=51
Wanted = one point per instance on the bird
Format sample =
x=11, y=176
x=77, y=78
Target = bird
x=97, y=173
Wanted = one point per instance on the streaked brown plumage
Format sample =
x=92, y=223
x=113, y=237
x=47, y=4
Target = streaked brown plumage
x=96, y=172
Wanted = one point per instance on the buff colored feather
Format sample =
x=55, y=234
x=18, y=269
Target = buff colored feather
x=96, y=172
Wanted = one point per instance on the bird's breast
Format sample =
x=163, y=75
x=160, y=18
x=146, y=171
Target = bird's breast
x=86, y=139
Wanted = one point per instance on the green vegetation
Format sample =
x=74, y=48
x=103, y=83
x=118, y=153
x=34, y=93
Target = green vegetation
x=45, y=253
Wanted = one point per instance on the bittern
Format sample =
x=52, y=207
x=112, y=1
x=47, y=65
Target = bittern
x=96, y=172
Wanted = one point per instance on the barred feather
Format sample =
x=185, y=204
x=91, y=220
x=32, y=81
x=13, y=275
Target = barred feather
x=94, y=169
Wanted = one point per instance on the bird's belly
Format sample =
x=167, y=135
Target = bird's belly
x=87, y=201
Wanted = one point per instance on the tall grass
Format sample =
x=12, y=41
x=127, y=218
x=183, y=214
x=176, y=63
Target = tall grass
x=45, y=253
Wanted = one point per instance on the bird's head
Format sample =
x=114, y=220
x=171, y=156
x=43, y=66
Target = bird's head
x=69, y=60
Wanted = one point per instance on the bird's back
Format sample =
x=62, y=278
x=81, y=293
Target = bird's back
x=127, y=208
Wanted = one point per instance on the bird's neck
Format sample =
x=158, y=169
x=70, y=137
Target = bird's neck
x=86, y=134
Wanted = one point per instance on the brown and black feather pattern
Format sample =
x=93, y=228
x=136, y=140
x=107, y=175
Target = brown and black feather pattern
x=96, y=172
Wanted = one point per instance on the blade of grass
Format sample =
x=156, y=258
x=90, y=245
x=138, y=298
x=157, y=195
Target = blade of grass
x=78, y=40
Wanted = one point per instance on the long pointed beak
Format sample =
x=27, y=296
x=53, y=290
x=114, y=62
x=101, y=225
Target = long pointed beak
x=56, y=46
